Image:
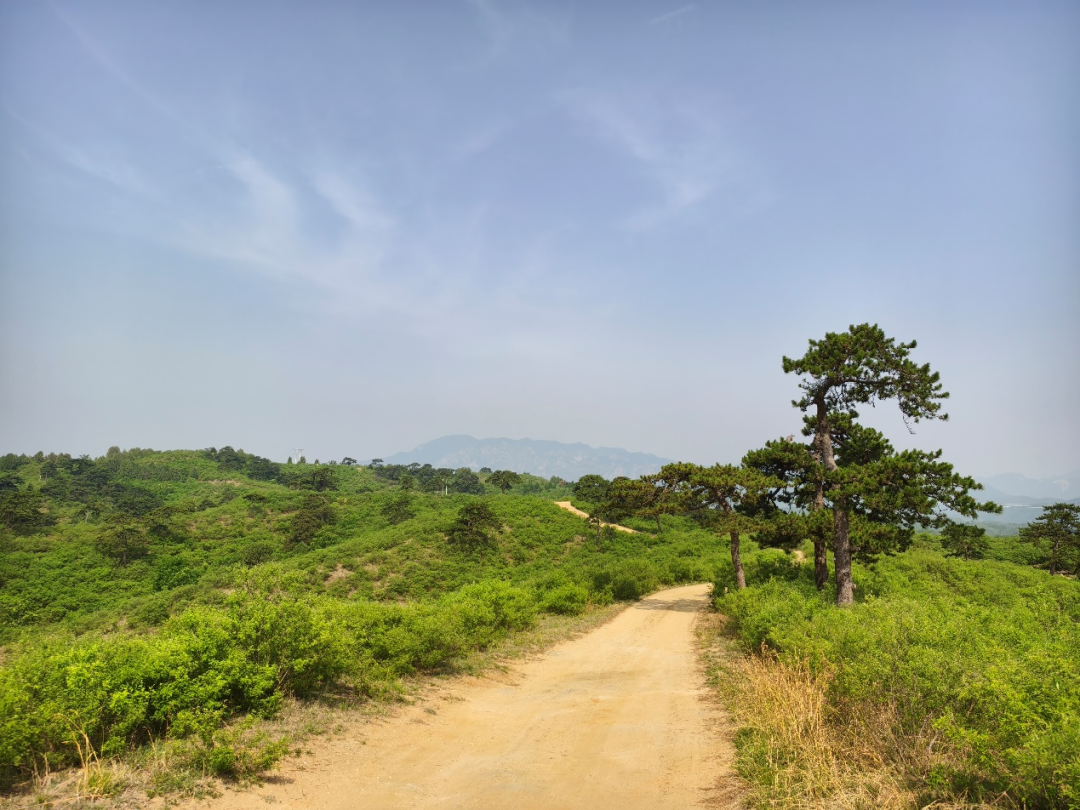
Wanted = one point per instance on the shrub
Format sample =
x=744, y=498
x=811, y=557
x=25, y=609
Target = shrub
x=565, y=600
x=983, y=657
x=172, y=572
x=626, y=581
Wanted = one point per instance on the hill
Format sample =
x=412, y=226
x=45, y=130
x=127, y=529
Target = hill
x=160, y=596
x=536, y=456
x=1022, y=498
x=1020, y=488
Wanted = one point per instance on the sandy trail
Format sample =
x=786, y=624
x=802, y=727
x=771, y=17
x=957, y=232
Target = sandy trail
x=618, y=718
x=569, y=507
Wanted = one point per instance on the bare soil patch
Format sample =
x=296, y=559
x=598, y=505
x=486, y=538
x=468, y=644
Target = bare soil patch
x=569, y=507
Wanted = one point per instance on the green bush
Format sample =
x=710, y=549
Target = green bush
x=565, y=600
x=985, y=653
x=627, y=581
x=172, y=572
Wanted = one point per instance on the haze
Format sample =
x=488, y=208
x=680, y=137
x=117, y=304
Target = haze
x=356, y=227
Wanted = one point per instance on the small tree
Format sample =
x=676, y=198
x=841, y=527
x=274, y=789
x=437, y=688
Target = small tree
x=21, y=509
x=398, y=509
x=1056, y=530
x=466, y=482
x=315, y=512
x=626, y=497
x=718, y=497
x=504, y=479
x=798, y=489
x=591, y=488
x=613, y=508
x=475, y=525
x=964, y=540
x=322, y=479
x=122, y=538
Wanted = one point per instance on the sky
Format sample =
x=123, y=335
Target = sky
x=355, y=227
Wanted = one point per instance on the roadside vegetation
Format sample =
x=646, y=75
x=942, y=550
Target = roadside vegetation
x=949, y=682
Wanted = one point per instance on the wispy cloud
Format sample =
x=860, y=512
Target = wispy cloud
x=305, y=216
x=113, y=170
x=678, y=138
x=675, y=17
x=104, y=57
x=507, y=23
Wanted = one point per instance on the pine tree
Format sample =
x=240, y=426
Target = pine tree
x=964, y=540
x=888, y=493
x=1058, y=529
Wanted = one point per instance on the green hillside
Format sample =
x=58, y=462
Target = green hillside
x=156, y=607
x=156, y=595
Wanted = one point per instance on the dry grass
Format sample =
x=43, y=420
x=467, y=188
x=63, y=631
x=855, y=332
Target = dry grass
x=796, y=750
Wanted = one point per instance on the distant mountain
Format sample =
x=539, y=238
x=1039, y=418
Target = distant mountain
x=1056, y=488
x=1023, y=497
x=539, y=457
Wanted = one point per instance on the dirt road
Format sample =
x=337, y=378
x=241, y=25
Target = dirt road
x=618, y=718
x=569, y=507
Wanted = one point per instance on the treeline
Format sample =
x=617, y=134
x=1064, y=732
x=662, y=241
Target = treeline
x=426, y=478
x=846, y=488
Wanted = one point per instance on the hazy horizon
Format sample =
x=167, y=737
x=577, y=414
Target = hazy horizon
x=358, y=228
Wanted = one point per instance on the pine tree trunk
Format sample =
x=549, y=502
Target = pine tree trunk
x=1054, y=555
x=845, y=588
x=821, y=563
x=821, y=548
x=658, y=529
x=736, y=560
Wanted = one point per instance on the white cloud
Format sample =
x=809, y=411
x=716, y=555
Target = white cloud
x=678, y=138
x=356, y=207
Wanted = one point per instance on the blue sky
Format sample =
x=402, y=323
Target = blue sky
x=355, y=227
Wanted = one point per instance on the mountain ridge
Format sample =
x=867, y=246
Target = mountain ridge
x=543, y=457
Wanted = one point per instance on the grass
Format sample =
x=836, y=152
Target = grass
x=948, y=684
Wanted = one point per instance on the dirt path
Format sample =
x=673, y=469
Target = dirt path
x=569, y=507
x=619, y=718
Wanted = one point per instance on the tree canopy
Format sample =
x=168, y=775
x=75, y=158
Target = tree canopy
x=475, y=525
x=504, y=479
x=876, y=495
x=964, y=540
x=591, y=488
x=1057, y=530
